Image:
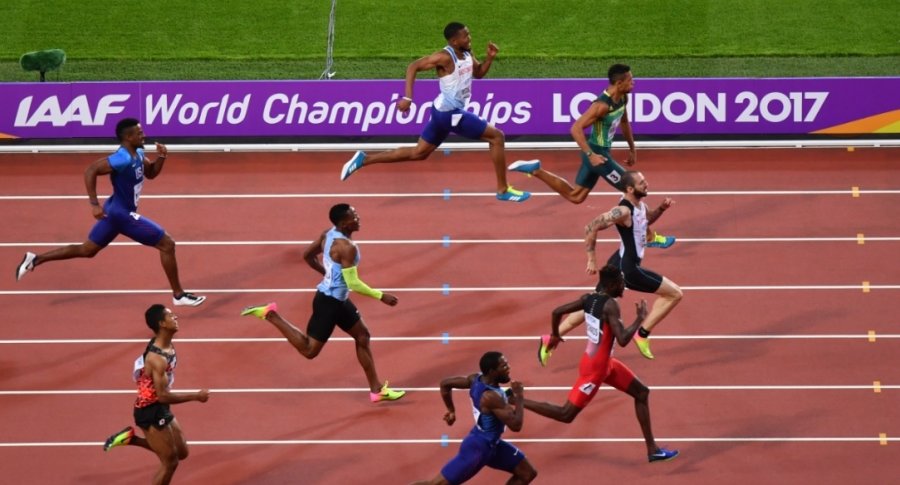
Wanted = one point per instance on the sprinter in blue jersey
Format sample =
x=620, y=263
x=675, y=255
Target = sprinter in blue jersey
x=455, y=66
x=127, y=168
x=494, y=410
x=331, y=305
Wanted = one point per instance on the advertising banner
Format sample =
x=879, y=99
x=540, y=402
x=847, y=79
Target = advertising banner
x=539, y=107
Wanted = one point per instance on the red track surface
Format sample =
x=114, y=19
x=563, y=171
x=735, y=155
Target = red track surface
x=684, y=416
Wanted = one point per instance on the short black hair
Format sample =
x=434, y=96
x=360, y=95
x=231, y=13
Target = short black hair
x=609, y=274
x=628, y=179
x=155, y=314
x=617, y=72
x=489, y=361
x=125, y=125
x=338, y=212
x=452, y=29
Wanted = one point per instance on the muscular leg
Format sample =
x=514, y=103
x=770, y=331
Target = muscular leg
x=166, y=248
x=497, y=142
x=641, y=395
x=421, y=151
x=669, y=296
x=163, y=442
x=523, y=474
x=565, y=413
x=307, y=346
x=575, y=195
x=87, y=249
x=360, y=334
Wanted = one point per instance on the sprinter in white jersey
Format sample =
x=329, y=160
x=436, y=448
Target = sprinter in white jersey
x=632, y=219
x=331, y=305
x=455, y=67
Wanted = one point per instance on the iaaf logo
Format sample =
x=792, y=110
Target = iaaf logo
x=77, y=111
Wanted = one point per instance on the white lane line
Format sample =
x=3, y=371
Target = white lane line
x=325, y=390
x=445, y=441
x=444, y=242
x=444, y=338
x=448, y=289
x=443, y=195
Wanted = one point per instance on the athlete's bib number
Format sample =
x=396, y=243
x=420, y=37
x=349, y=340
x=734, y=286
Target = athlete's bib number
x=594, y=332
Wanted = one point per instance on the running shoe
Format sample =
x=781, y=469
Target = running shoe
x=513, y=195
x=525, y=166
x=188, y=299
x=660, y=241
x=353, y=164
x=260, y=311
x=662, y=454
x=119, y=439
x=25, y=266
x=643, y=345
x=544, y=351
x=386, y=394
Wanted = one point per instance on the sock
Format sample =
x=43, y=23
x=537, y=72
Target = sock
x=643, y=333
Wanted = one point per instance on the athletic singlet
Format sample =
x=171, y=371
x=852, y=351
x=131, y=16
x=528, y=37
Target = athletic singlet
x=486, y=425
x=127, y=179
x=604, y=129
x=146, y=390
x=333, y=283
x=634, y=238
x=456, y=87
x=600, y=337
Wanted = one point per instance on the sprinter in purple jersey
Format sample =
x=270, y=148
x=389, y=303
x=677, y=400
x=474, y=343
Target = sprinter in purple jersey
x=127, y=168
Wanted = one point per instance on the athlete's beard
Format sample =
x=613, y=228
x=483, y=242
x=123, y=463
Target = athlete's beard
x=639, y=195
x=503, y=379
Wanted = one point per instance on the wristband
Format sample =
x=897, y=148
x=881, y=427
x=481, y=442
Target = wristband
x=94, y=202
x=406, y=98
x=588, y=154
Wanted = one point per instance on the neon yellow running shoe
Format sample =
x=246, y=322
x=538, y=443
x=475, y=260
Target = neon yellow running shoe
x=121, y=438
x=544, y=351
x=643, y=345
x=660, y=241
x=260, y=311
x=386, y=394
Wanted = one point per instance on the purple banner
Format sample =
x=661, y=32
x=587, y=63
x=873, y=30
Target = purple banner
x=795, y=106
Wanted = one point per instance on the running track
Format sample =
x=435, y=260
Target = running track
x=780, y=366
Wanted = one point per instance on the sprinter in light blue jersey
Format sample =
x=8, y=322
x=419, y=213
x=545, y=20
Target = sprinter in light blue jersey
x=127, y=168
x=331, y=305
x=455, y=66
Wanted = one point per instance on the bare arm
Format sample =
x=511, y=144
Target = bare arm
x=613, y=315
x=591, y=115
x=626, y=131
x=615, y=215
x=480, y=69
x=512, y=415
x=157, y=365
x=654, y=214
x=152, y=169
x=440, y=60
x=95, y=169
x=447, y=386
x=559, y=312
x=312, y=252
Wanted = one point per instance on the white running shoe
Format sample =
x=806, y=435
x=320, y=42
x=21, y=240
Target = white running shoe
x=188, y=299
x=26, y=265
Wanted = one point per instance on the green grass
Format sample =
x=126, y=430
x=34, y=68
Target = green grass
x=264, y=39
